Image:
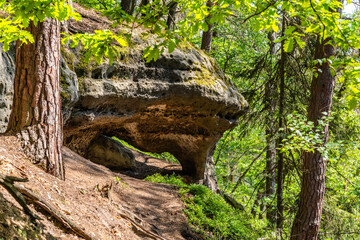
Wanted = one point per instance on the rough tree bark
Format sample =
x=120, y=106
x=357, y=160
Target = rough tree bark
x=36, y=113
x=207, y=36
x=307, y=221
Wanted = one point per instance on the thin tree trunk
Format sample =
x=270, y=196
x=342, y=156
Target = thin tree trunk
x=210, y=178
x=36, y=114
x=280, y=163
x=207, y=36
x=128, y=6
x=172, y=15
x=307, y=221
x=270, y=103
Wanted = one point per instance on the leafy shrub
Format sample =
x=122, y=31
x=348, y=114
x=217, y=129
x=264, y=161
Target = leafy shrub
x=210, y=215
x=168, y=179
x=165, y=155
x=218, y=220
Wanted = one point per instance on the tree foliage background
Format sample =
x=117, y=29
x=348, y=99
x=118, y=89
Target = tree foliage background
x=251, y=59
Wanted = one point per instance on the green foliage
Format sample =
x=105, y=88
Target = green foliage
x=165, y=155
x=210, y=215
x=22, y=12
x=189, y=26
x=11, y=33
x=168, y=179
x=98, y=45
x=99, y=5
x=236, y=47
x=303, y=135
x=37, y=10
x=338, y=223
x=213, y=217
x=351, y=80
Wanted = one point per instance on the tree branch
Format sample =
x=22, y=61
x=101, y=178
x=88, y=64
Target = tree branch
x=248, y=168
x=258, y=13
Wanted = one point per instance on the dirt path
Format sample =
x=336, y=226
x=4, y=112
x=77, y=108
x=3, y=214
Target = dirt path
x=92, y=198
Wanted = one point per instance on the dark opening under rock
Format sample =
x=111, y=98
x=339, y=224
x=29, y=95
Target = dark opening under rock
x=110, y=153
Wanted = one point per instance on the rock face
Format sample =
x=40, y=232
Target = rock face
x=180, y=104
x=7, y=67
x=110, y=153
x=69, y=89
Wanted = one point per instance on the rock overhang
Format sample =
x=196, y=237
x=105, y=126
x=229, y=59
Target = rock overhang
x=156, y=113
x=181, y=104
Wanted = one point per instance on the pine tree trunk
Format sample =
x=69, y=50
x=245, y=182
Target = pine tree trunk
x=207, y=36
x=307, y=221
x=36, y=113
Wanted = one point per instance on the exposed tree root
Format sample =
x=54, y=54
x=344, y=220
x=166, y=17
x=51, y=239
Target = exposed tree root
x=53, y=212
x=131, y=217
x=8, y=183
x=18, y=192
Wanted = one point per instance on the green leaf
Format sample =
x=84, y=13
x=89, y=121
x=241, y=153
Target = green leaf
x=289, y=45
x=171, y=46
x=121, y=41
x=352, y=103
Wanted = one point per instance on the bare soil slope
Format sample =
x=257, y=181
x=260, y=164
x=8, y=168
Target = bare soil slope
x=103, y=203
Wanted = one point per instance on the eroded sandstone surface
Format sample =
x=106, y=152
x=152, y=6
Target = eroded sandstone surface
x=7, y=67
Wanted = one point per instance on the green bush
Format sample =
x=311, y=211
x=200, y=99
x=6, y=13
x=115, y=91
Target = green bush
x=168, y=179
x=210, y=215
x=165, y=155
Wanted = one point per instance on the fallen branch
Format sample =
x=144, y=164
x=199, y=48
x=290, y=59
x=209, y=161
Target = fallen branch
x=53, y=212
x=235, y=204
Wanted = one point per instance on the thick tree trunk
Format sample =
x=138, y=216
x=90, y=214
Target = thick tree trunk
x=36, y=113
x=172, y=15
x=207, y=36
x=307, y=221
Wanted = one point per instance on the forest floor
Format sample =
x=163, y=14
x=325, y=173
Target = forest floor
x=102, y=203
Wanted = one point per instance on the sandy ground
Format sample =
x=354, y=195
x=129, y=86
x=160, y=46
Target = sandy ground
x=93, y=197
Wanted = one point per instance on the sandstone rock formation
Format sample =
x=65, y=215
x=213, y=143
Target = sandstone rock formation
x=110, y=153
x=7, y=66
x=180, y=104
